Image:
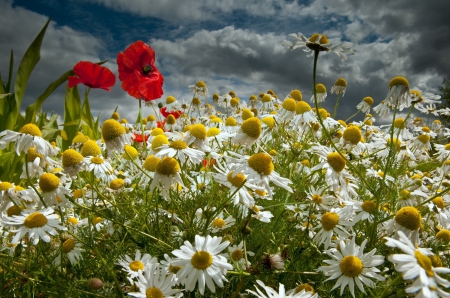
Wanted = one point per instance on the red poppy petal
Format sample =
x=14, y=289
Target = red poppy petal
x=73, y=81
x=94, y=75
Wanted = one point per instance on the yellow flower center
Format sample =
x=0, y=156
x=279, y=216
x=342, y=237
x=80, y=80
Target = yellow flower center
x=218, y=223
x=71, y=158
x=329, y=220
x=435, y=261
x=237, y=254
x=156, y=132
x=323, y=39
x=158, y=141
x=289, y=104
x=424, y=262
x=398, y=81
x=97, y=220
x=48, y=182
x=341, y=82
x=198, y=131
x=97, y=160
x=32, y=154
x=305, y=287
x=170, y=99
x=90, y=148
x=408, y=217
x=68, y=245
x=171, y=120
x=426, y=129
x=132, y=152
x=136, y=265
x=302, y=107
x=246, y=114
x=369, y=206
x=178, y=145
x=200, y=84
x=79, y=138
x=269, y=121
x=115, y=116
x=213, y=131
x=230, y=121
x=320, y=88
x=306, y=163
x=4, y=186
x=237, y=180
x=266, y=98
x=399, y=123
x=443, y=235
x=201, y=260
x=336, y=161
x=168, y=166
x=438, y=201
x=31, y=129
x=117, y=184
x=78, y=193
x=150, y=163
x=351, y=266
x=13, y=210
x=151, y=118
x=174, y=269
x=112, y=129
x=261, y=163
x=35, y=220
x=415, y=93
x=234, y=101
x=252, y=127
x=154, y=292
x=396, y=142
x=352, y=134
x=317, y=199
x=368, y=100
x=72, y=220
x=297, y=95
x=424, y=138
x=447, y=146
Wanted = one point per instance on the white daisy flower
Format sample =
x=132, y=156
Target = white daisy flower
x=166, y=173
x=29, y=136
x=318, y=42
x=398, y=94
x=333, y=222
x=72, y=249
x=101, y=168
x=202, y=263
x=156, y=282
x=115, y=136
x=416, y=265
x=182, y=152
x=200, y=88
x=220, y=223
x=260, y=170
x=263, y=216
x=321, y=93
x=38, y=224
x=249, y=132
x=365, y=105
x=236, y=255
x=271, y=293
x=140, y=263
x=351, y=266
x=53, y=192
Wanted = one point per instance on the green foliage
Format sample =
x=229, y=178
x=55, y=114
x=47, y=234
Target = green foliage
x=445, y=100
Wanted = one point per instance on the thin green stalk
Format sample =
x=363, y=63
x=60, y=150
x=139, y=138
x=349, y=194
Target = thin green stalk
x=336, y=105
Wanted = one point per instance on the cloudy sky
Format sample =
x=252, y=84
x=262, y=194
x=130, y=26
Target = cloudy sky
x=233, y=45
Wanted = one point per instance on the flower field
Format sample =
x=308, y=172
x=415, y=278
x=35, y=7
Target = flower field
x=221, y=196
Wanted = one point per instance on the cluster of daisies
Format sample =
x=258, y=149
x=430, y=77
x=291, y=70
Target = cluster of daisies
x=195, y=181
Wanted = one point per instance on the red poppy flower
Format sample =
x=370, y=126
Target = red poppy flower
x=92, y=75
x=175, y=113
x=137, y=72
x=137, y=137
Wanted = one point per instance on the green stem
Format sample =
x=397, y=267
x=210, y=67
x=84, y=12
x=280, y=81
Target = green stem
x=336, y=105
